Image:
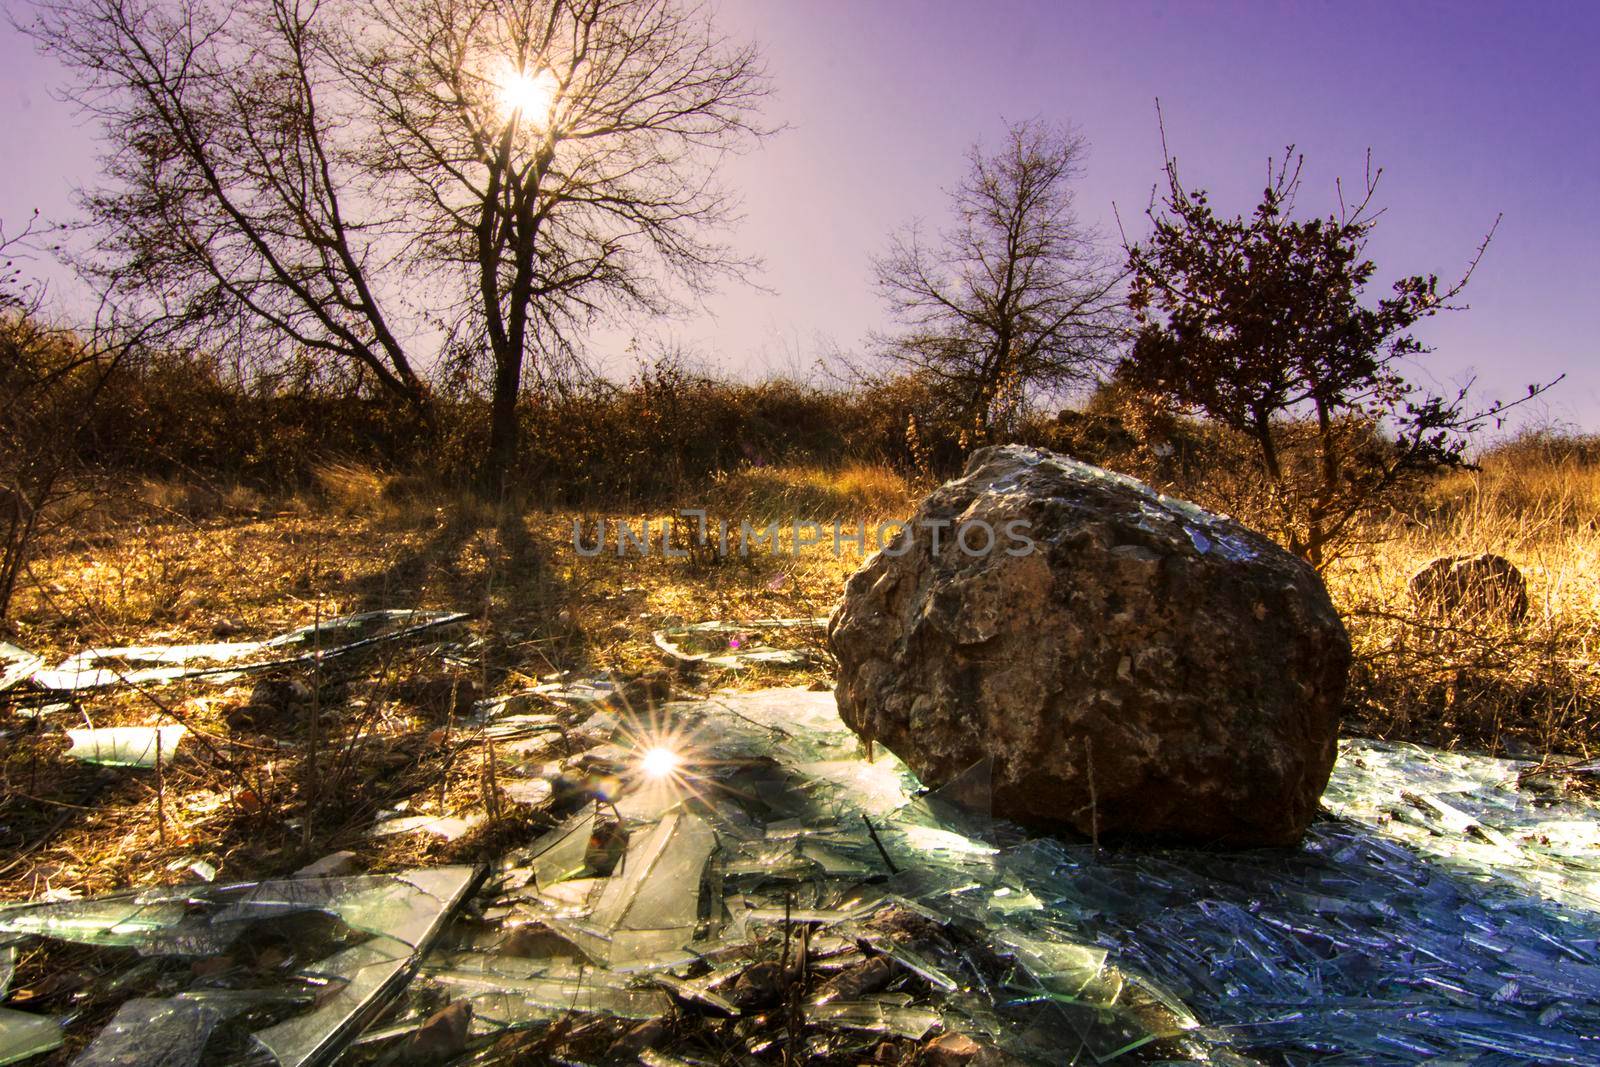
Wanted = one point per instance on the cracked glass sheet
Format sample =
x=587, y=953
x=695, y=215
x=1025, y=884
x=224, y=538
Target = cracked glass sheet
x=1468, y=812
x=875, y=1016
x=513, y=992
x=560, y=854
x=125, y=746
x=219, y=661
x=407, y=906
x=364, y=973
x=1410, y=927
x=1388, y=937
x=126, y=921
x=404, y=912
x=152, y=1033
x=650, y=903
x=23, y=1035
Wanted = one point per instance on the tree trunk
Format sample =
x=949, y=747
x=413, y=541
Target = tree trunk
x=501, y=457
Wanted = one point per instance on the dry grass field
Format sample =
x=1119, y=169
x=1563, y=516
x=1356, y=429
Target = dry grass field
x=166, y=563
x=1531, y=687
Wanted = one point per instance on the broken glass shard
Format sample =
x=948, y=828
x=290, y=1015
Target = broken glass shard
x=650, y=904
x=125, y=746
x=448, y=827
x=365, y=973
x=225, y=661
x=16, y=664
x=158, y=1033
x=23, y=1035
x=561, y=853
x=876, y=1016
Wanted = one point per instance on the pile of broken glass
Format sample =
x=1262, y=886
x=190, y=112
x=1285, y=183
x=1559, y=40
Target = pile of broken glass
x=739, y=869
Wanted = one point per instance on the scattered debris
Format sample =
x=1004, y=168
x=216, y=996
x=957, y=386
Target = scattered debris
x=16, y=664
x=732, y=646
x=226, y=661
x=769, y=894
x=310, y=1014
x=446, y=826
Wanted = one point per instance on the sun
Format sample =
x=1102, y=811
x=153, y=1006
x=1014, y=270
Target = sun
x=529, y=96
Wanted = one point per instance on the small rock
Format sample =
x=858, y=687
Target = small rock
x=869, y=976
x=259, y=718
x=443, y=694
x=888, y=1052
x=248, y=718
x=211, y=966
x=645, y=691
x=1485, y=584
x=441, y=1038
x=758, y=987
x=334, y=865
x=533, y=941
x=280, y=694
x=958, y=1050
x=648, y=1034
x=227, y=626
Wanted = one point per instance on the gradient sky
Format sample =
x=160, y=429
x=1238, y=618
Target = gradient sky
x=1472, y=109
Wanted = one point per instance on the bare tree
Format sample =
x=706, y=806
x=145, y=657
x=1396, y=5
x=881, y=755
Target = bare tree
x=1017, y=297
x=228, y=210
x=560, y=155
x=348, y=177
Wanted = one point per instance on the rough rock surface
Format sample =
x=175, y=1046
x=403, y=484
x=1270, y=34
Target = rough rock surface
x=1471, y=585
x=1147, y=670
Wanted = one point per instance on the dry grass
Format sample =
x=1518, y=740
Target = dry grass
x=160, y=565
x=863, y=491
x=1531, y=687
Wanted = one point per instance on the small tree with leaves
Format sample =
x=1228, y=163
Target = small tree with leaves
x=1258, y=323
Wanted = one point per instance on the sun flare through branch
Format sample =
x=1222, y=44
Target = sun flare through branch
x=529, y=95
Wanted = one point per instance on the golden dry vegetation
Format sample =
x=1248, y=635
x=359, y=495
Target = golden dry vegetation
x=166, y=563
x=170, y=564
x=1531, y=687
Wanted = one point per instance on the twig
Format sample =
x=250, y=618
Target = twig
x=887, y=862
x=161, y=791
x=1094, y=800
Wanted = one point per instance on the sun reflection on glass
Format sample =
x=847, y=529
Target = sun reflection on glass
x=660, y=762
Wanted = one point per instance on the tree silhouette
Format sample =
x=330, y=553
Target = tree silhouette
x=1258, y=323
x=353, y=177
x=1016, y=296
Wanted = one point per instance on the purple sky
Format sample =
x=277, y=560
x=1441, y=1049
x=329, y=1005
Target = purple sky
x=1471, y=108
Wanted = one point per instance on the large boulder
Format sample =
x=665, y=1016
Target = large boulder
x=1138, y=668
x=1483, y=585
